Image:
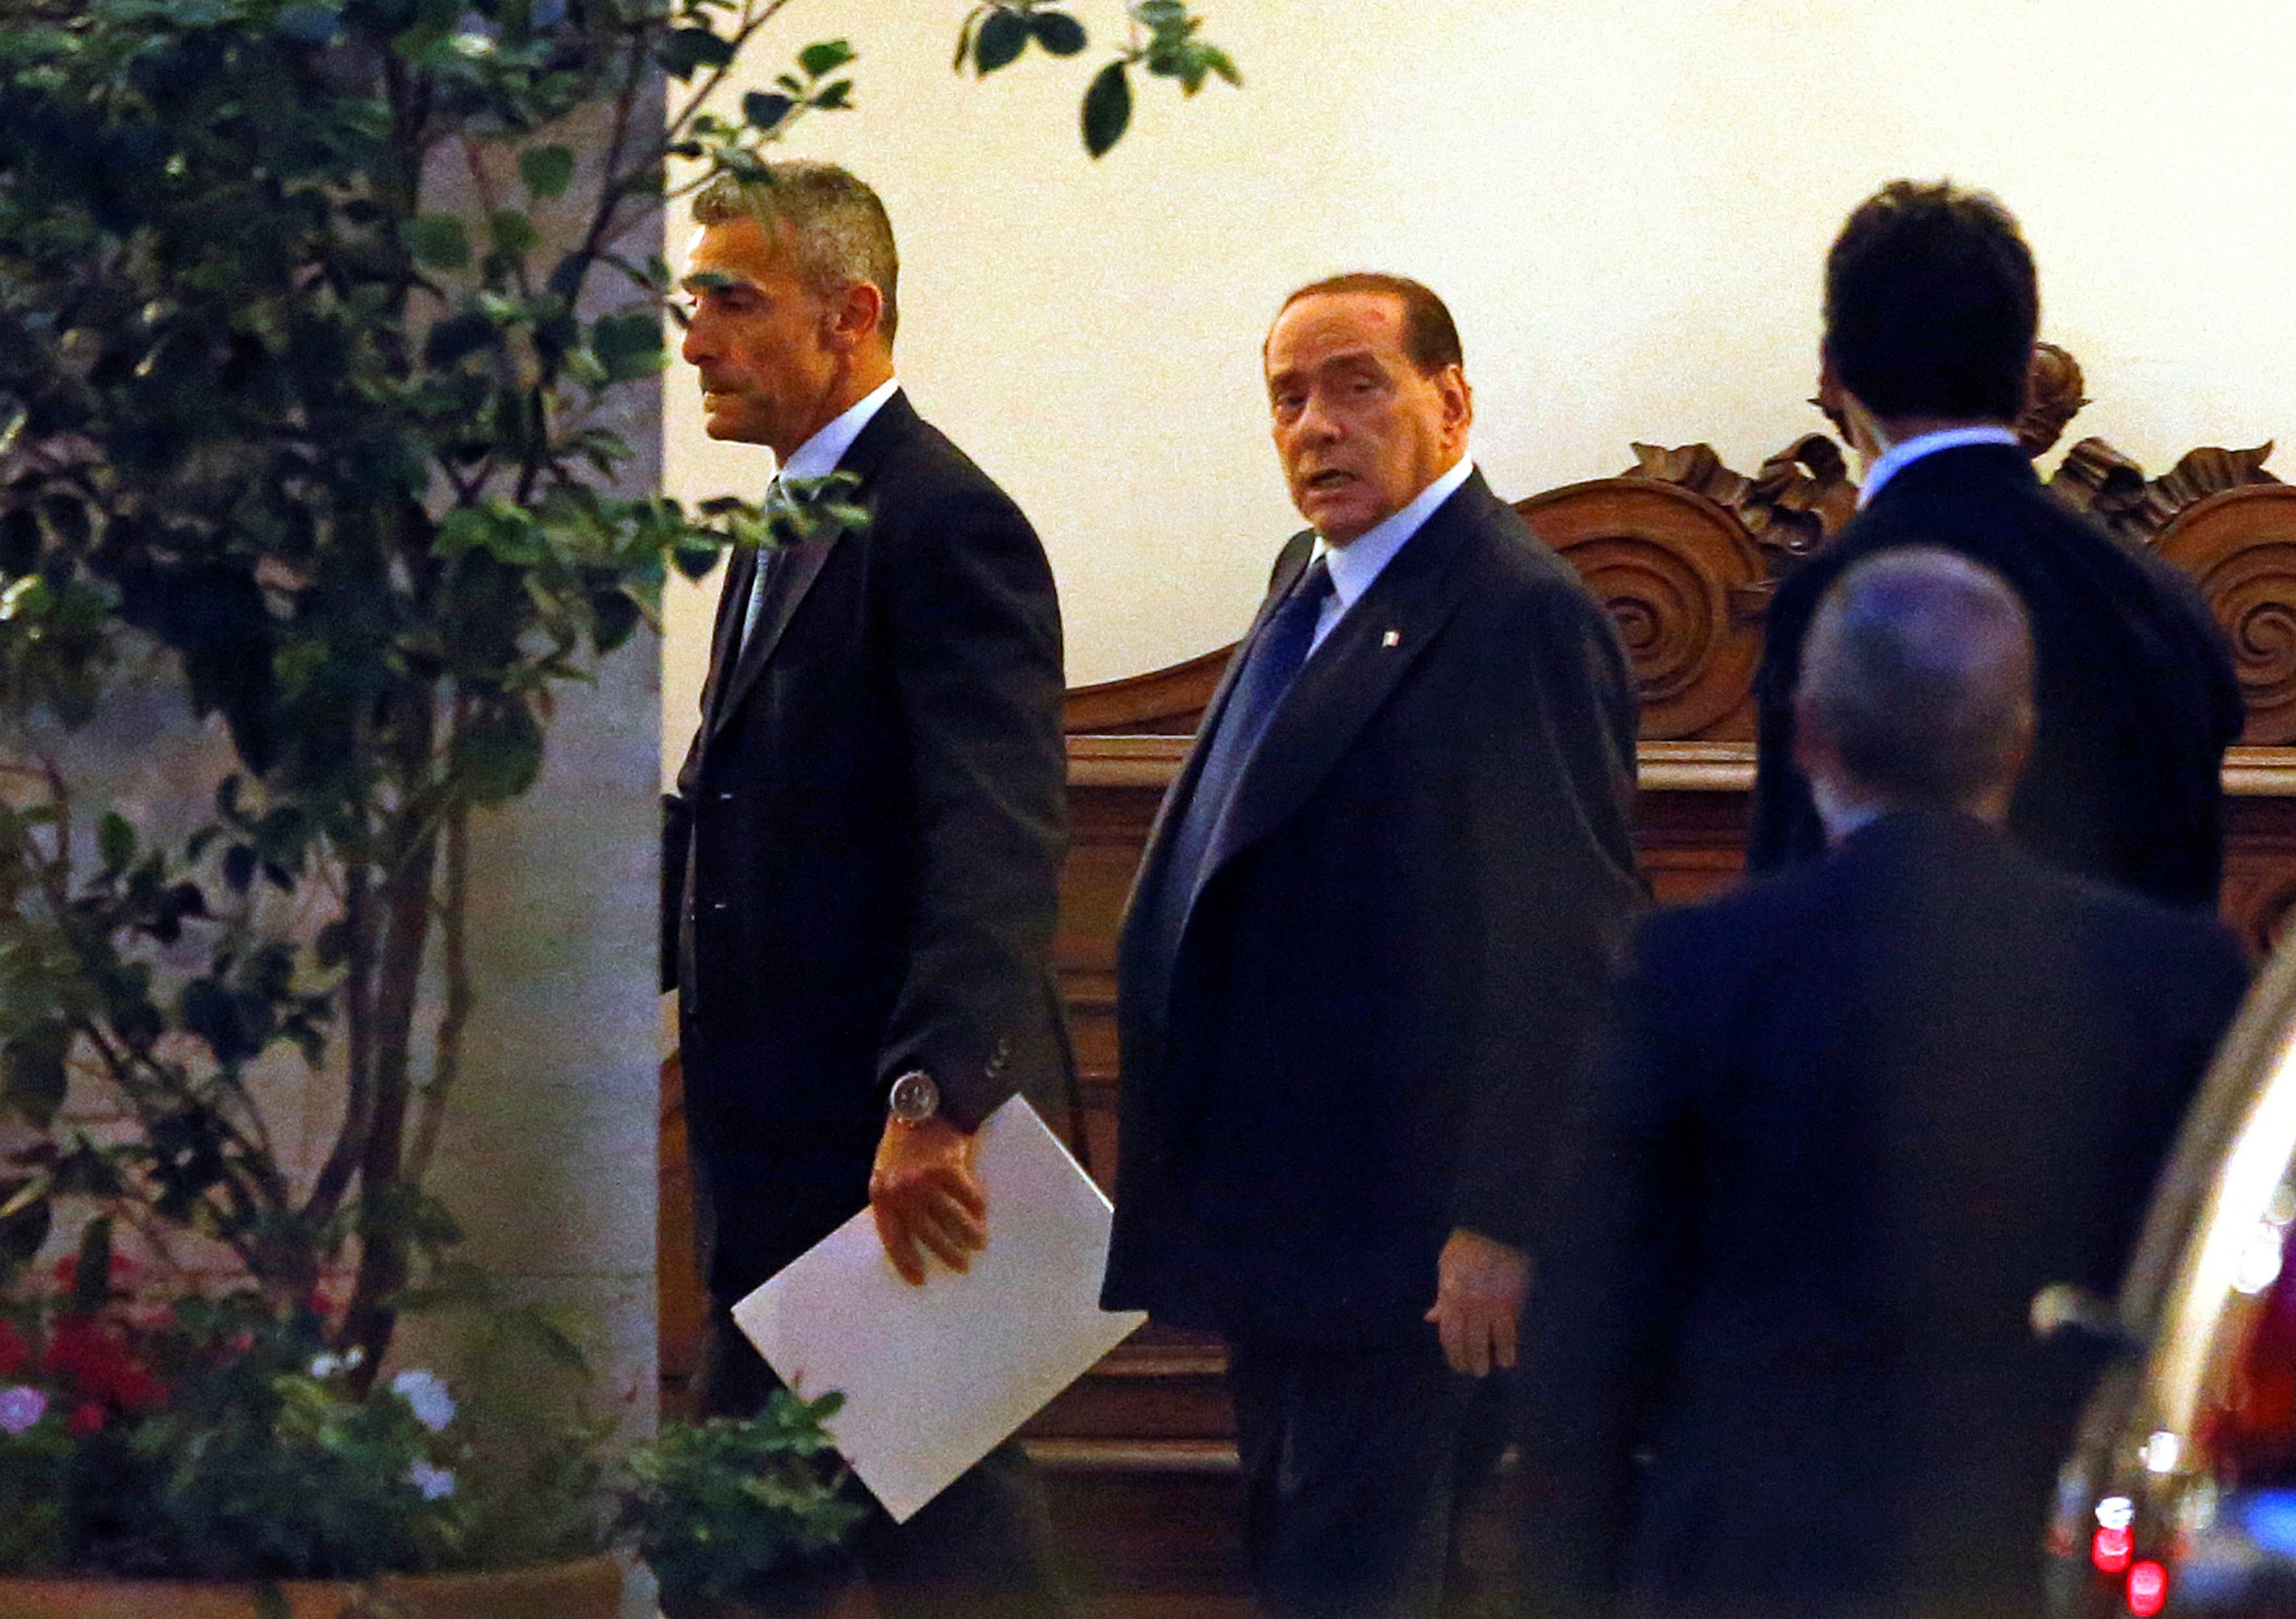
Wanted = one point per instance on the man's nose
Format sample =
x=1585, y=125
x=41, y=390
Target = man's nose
x=695, y=347
x=1316, y=422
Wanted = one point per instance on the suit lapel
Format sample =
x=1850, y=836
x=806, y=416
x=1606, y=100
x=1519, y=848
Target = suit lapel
x=796, y=567
x=1289, y=564
x=740, y=580
x=1351, y=674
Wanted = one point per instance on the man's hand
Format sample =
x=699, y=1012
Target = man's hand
x=922, y=1190
x=1479, y=1287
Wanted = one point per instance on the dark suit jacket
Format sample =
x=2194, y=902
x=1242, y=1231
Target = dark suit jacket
x=865, y=844
x=1395, y=962
x=2134, y=684
x=1852, y=1118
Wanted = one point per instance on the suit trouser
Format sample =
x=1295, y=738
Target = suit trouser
x=1352, y=1458
x=980, y=1550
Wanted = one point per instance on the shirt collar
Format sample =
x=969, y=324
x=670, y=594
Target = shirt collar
x=1897, y=457
x=1358, y=563
x=818, y=456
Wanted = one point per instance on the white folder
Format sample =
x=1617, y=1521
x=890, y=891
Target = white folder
x=935, y=1376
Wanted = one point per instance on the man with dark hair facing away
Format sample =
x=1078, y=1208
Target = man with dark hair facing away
x=1365, y=957
x=1851, y=1118
x=1930, y=308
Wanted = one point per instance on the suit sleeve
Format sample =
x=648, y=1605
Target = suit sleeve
x=1613, y=1284
x=1555, y=865
x=676, y=833
x=977, y=641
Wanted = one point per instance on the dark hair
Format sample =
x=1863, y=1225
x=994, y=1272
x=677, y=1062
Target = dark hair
x=839, y=230
x=1931, y=304
x=1918, y=672
x=1430, y=338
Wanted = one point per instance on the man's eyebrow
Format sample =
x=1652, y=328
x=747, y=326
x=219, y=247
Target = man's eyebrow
x=710, y=281
x=1350, y=359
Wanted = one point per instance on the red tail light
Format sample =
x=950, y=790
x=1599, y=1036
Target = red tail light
x=2109, y=1550
x=2148, y=1589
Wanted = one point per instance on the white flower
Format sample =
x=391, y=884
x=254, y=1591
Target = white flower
x=20, y=1408
x=427, y=1396
x=334, y=1365
x=436, y=1482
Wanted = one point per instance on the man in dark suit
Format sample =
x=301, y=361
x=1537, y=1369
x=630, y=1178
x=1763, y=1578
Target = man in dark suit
x=1931, y=308
x=1364, y=954
x=860, y=865
x=1854, y=1117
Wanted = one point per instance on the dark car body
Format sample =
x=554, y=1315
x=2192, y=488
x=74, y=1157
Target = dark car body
x=2179, y=1496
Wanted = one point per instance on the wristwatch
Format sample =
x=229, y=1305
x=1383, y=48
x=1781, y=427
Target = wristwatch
x=913, y=1098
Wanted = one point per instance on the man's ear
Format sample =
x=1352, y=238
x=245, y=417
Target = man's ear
x=1458, y=402
x=856, y=313
x=1813, y=752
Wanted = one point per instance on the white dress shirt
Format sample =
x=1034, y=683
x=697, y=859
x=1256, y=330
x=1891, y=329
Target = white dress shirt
x=1897, y=457
x=1354, y=565
x=817, y=458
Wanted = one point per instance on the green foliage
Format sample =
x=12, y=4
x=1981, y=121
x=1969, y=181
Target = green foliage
x=1107, y=109
x=214, y=1438
x=300, y=397
x=719, y=1502
x=1162, y=43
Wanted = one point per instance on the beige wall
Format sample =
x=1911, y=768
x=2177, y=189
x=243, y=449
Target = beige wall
x=1626, y=204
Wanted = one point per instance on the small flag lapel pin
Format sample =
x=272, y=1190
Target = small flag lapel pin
x=1393, y=638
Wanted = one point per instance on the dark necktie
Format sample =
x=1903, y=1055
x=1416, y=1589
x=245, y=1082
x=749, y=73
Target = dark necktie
x=1270, y=664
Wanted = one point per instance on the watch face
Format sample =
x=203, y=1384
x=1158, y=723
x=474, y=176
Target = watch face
x=914, y=1097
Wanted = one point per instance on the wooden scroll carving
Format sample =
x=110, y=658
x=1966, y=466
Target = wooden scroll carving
x=1685, y=582
x=2239, y=543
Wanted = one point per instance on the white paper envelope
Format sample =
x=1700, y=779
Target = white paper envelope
x=935, y=1376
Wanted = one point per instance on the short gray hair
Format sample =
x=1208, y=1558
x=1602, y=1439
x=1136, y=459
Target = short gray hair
x=839, y=233
x=1918, y=673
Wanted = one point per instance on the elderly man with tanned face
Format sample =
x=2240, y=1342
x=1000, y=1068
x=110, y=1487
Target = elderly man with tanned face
x=860, y=863
x=1363, y=956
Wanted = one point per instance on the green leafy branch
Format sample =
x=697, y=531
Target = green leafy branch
x=1162, y=43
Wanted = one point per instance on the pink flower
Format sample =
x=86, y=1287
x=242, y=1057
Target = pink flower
x=20, y=1408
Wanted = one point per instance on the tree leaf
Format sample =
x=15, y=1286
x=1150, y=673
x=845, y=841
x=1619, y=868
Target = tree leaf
x=1058, y=32
x=115, y=841
x=628, y=346
x=1003, y=36
x=825, y=57
x=765, y=109
x=688, y=49
x=33, y=1079
x=548, y=171
x=439, y=241
x=1107, y=109
x=496, y=755
x=458, y=338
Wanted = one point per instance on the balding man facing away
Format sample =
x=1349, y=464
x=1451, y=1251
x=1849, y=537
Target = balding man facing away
x=1852, y=1117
